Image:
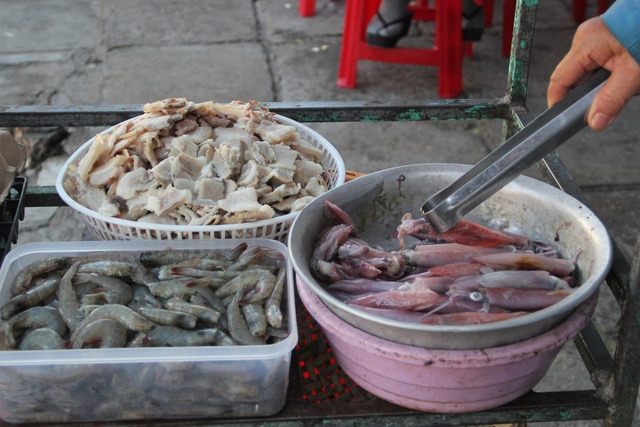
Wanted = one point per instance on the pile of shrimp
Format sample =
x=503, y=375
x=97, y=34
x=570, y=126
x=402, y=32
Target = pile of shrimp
x=164, y=298
x=150, y=299
x=468, y=275
x=75, y=392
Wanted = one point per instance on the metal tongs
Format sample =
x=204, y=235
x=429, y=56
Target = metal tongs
x=540, y=137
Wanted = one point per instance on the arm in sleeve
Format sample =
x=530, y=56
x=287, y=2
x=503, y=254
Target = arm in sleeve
x=623, y=20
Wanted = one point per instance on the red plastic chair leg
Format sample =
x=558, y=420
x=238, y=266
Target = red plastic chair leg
x=488, y=13
x=307, y=8
x=578, y=10
x=450, y=48
x=447, y=53
x=356, y=16
x=508, y=12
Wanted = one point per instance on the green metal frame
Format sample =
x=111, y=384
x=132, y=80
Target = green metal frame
x=615, y=378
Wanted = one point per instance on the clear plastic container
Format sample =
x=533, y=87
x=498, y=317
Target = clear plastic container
x=147, y=382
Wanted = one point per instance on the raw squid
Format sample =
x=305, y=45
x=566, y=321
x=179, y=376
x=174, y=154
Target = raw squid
x=469, y=275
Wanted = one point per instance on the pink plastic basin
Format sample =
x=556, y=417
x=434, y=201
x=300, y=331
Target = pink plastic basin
x=445, y=381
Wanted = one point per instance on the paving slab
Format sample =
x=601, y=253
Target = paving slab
x=162, y=23
x=52, y=25
x=222, y=72
x=281, y=22
x=33, y=78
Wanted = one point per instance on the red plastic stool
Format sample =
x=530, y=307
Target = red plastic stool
x=446, y=53
x=307, y=8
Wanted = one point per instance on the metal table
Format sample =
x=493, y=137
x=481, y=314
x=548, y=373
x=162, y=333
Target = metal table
x=615, y=377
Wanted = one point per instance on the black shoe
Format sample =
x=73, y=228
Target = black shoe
x=473, y=25
x=390, y=32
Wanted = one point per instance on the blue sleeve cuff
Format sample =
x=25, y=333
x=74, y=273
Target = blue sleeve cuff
x=623, y=20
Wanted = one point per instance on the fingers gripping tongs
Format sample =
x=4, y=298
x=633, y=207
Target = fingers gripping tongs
x=545, y=133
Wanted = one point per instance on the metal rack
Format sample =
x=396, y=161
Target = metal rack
x=11, y=213
x=615, y=377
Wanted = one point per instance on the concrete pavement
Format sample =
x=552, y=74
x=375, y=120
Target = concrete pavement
x=123, y=52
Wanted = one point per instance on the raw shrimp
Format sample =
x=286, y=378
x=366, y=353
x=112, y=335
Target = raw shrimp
x=24, y=277
x=202, y=313
x=42, y=339
x=238, y=391
x=42, y=289
x=101, y=333
x=7, y=340
x=209, y=274
x=171, y=336
x=256, y=319
x=171, y=256
x=245, y=279
x=237, y=252
x=140, y=274
x=167, y=257
x=68, y=304
x=169, y=288
x=223, y=339
x=211, y=282
x=111, y=289
x=238, y=328
x=169, y=317
x=202, y=264
x=123, y=314
x=119, y=265
x=249, y=257
x=85, y=296
x=261, y=290
x=141, y=296
x=38, y=317
x=273, y=311
x=279, y=333
x=107, y=268
x=212, y=299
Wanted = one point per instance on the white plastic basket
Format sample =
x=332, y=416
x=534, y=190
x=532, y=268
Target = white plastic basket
x=108, y=228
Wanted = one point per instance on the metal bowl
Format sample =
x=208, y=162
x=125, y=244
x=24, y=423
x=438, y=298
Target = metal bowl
x=377, y=202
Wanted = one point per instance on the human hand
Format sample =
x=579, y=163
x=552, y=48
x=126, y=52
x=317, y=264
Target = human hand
x=594, y=46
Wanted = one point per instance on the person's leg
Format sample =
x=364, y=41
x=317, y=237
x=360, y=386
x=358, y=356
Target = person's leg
x=389, y=24
x=473, y=25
